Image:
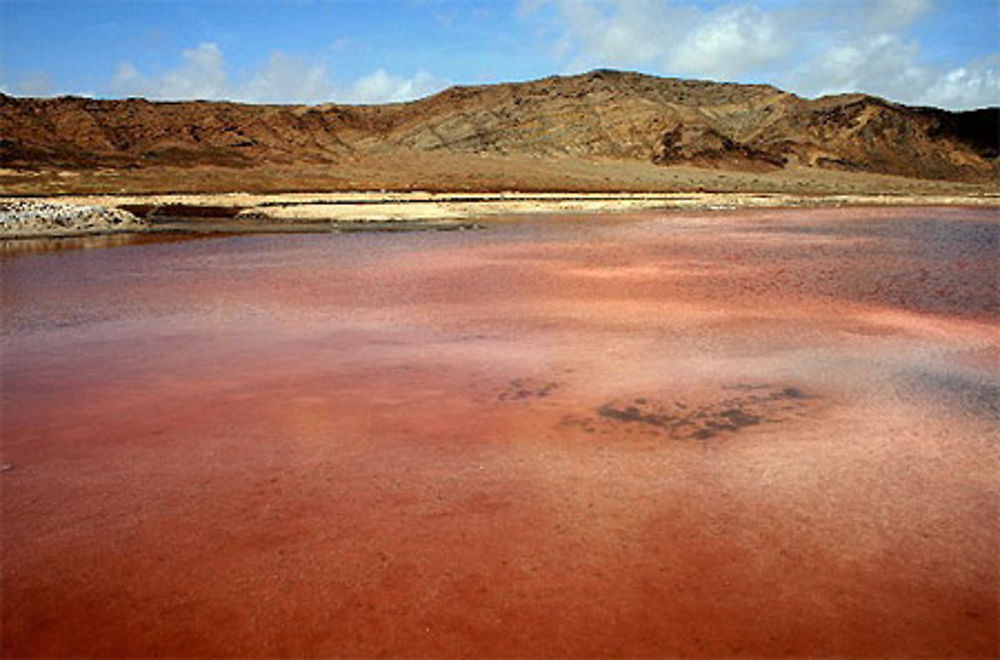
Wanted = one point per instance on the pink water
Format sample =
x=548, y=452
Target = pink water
x=663, y=434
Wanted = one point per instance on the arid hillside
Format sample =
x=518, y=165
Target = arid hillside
x=604, y=116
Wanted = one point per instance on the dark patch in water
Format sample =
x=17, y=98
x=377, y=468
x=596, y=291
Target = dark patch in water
x=632, y=414
x=738, y=418
x=976, y=396
x=527, y=388
x=762, y=404
x=793, y=393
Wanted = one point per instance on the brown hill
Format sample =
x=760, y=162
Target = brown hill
x=600, y=115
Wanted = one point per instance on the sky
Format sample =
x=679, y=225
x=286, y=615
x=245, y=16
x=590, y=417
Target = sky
x=944, y=53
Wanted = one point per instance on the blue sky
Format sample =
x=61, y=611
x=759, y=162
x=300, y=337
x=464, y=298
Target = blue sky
x=937, y=52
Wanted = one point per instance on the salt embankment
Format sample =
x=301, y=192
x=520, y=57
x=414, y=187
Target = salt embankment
x=27, y=218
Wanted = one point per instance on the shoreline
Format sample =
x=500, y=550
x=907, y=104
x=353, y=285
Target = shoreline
x=239, y=213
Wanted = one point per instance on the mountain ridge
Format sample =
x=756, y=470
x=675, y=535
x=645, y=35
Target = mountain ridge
x=603, y=114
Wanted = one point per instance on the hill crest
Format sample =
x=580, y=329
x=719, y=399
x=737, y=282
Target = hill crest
x=603, y=114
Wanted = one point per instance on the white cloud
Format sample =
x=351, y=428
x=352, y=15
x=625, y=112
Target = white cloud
x=883, y=64
x=877, y=57
x=895, y=14
x=283, y=79
x=626, y=36
x=288, y=79
x=34, y=84
x=201, y=75
x=127, y=80
x=381, y=87
x=730, y=41
x=972, y=86
x=889, y=66
x=820, y=47
x=678, y=39
x=622, y=33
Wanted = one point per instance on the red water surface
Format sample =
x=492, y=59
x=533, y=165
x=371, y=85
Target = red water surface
x=665, y=434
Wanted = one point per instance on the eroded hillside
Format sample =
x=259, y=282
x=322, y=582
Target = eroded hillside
x=605, y=115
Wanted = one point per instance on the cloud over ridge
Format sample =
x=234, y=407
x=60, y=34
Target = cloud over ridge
x=203, y=74
x=944, y=53
x=816, y=48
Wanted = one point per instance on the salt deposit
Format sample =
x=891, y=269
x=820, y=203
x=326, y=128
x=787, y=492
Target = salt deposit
x=20, y=218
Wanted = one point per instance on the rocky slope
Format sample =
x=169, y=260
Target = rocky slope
x=602, y=114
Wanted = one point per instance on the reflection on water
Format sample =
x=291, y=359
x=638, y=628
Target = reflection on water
x=949, y=231
x=22, y=246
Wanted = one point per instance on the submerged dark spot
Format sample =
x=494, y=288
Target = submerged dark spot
x=976, y=396
x=739, y=418
x=546, y=389
x=632, y=414
x=526, y=388
x=724, y=416
x=719, y=426
x=627, y=415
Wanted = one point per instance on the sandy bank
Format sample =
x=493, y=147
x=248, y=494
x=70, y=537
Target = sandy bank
x=352, y=211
